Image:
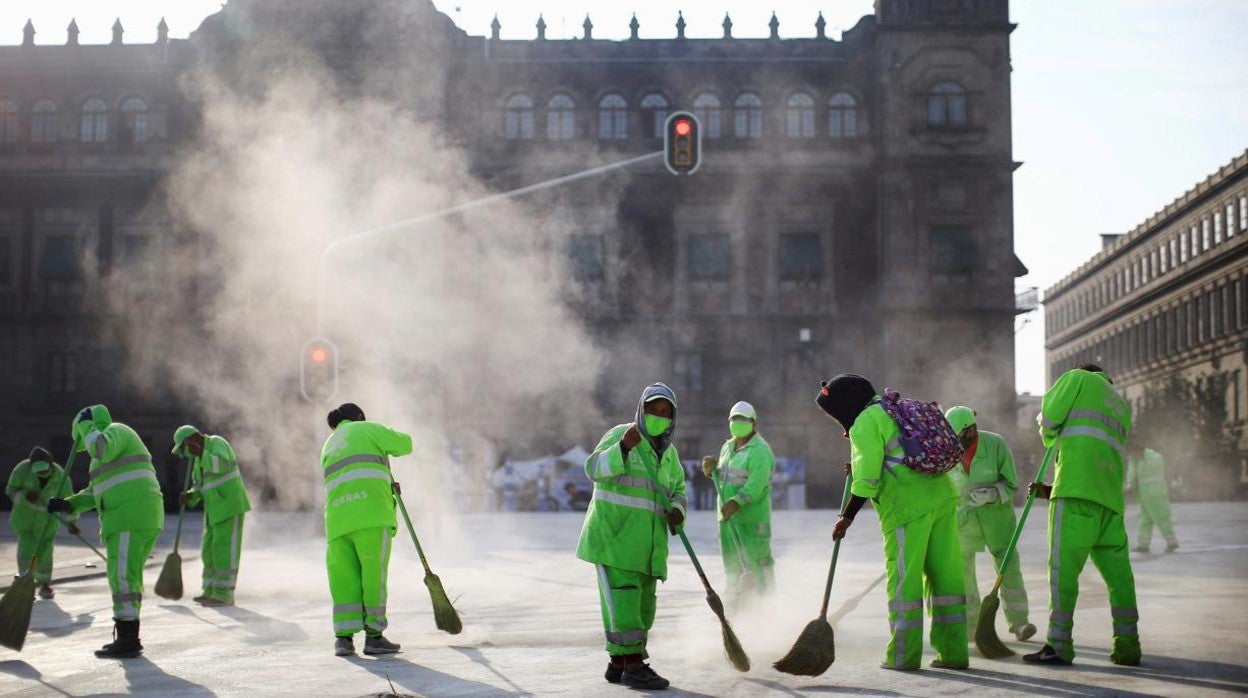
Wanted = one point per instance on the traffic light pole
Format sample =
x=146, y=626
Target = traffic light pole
x=461, y=208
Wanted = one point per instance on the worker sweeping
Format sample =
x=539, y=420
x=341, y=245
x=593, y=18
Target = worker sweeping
x=1089, y=422
x=1146, y=474
x=627, y=526
x=742, y=474
x=918, y=518
x=986, y=482
x=218, y=483
x=359, y=525
x=124, y=490
x=32, y=483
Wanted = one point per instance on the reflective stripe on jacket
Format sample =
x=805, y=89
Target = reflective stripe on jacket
x=744, y=475
x=123, y=487
x=899, y=493
x=1089, y=421
x=355, y=472
x=216, y=480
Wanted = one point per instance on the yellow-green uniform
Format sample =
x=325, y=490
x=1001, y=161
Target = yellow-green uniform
x=359, y=521
x=990, y=525
x=1148, y=474
x=1089, y=422
x=744, y=476
x=217, y=481
x=34, y=526
x=922, y=553
x=625, y=533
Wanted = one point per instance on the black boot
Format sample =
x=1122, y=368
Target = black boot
x=125, y=644
x=638, y=674
x=1046, y=655
x=615, y=669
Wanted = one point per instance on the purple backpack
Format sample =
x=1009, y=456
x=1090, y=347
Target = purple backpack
x=929, y=443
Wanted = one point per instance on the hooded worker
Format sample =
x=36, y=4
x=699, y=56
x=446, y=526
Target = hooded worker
x=32, y=483
x=1086, y=422
x=639, y=496
x=986, y=482
x=918, y=518
x=359, y=524
x=1146, y=473
x=124, y=490
x=742, y=476
x=218, y=483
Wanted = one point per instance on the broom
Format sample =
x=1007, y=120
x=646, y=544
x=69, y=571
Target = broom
x=815, y=649
x=444, y=614
x=986, y=640
x=758, y=579
x=18, y=600
x=169, y=583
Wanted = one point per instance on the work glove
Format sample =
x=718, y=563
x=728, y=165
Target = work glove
x=73, y=529
x=709, y=464
x=32, y=496
x=56, y=505
x=394, y=486
x=184, y=498
x=730, y=507
x=983, y=495
x=675, y=517
x=1040, y=489
x=841, y=527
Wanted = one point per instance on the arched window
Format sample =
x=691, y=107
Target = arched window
x=560, y=118
x=612, y=118
x=748, y=113
x=518, y=118
x=94, y=121
x=706, y=108
x=843, y=116
x=946, y=105
x=134, y=120
x=43, y=125
x=654, y=112
x=800, y=116
x=8, y=121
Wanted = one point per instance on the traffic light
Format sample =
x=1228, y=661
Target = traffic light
x=682, y=143
x=318, y=376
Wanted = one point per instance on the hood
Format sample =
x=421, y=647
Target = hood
x=661, y=442
x=845, y=397
x=95, y=417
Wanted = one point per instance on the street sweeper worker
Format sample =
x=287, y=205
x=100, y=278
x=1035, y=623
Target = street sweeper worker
x=627, y=526
x=218, y=483
x=743, y=477
x=986, y=483
x=123, y=488
x=359, y=524
x=1146, y=474
x=1087, y=423
x=918, y=518
x=31, y=484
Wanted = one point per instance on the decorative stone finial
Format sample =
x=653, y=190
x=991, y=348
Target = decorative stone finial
x=495, y=28
x=541, y=28
x=162, y=32
x=633, y=26
x=588, y=26
x=821, y=26
x=680, y=24
x=71, y=33
x=727, y=26
x=28, y=34
x=117, y=32
x=775, y=26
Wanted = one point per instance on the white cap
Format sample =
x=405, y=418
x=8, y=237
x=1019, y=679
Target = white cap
x=743, y=409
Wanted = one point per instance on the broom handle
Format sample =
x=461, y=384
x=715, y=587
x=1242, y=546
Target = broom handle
x=836, y=551
x=1018, y=529
x=186, y=484
x=667, y=504
x=412, y=530
x=48, y=530
x=732, y=531
x=88, y=544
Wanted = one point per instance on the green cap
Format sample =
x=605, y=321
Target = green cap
x=182, y=434
x=960, y=418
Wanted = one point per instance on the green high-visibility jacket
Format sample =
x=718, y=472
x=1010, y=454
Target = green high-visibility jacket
x=32, y=517
x=1148, y=474
x=1089, y=422
x=355, y=467
x=992, y=466
x=899, y=493
x=123, y=485
x=216, y=480
x=626, y=524
x=744, y=476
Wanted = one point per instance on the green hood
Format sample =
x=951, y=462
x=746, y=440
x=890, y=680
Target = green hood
x=94, y=417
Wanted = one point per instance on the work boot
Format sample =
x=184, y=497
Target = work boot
x=201, y=598
x=1046, y=655
x=639, y=675
x=1172, y=546
x=209, y=601
x=939, y=663
x=125, y=644
x=45, y=592
x=1023, y=631
x=893, y=667
x=344, y=647
x=1140, y=549
x=378, y=644
x=615, y=669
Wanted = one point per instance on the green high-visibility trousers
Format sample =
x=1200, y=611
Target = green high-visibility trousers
x=746, y=550
x=358, y=565
x=1154, y=511
x=222, y=549
x=923, y=559
x=127, y=554
x=1079, y=529
x=991, y=526
x=628, y=607
x=28, y=547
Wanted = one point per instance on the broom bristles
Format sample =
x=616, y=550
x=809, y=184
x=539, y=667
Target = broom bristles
x=15, y=608
x=986, y=640
x=445, y=617
x=169, y=583
x=732, y=646
x=813, y=653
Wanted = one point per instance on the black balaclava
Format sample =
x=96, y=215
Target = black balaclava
x=845, y=397
x=348, y=411
x=662, y=441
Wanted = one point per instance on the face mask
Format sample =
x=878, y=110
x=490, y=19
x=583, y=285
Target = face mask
x=656, y=426
x=740, y=429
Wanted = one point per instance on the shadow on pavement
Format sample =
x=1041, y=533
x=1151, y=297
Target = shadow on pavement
x=143, y=675
x=22, y=670
x=263, y=629
x=422, y=680
x=476, y=656
x=50, y=620
x=806, y=690
x=1047, y=685
x=1187, y=672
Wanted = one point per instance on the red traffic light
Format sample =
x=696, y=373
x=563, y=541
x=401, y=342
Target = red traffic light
x=683, y=127
x=319, y=355
x=682, y=143
x=318, y=370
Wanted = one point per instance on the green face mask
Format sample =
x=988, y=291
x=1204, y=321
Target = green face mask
x=656, y=426
x=740, y=428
